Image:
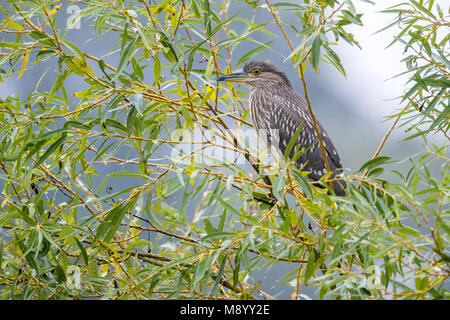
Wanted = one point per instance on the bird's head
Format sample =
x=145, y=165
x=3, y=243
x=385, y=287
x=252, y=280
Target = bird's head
x=259, y=74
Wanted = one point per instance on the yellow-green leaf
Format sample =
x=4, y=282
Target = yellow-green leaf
x=25, y=62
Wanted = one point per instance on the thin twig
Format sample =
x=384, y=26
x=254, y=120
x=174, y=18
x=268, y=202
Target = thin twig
x=316, y=127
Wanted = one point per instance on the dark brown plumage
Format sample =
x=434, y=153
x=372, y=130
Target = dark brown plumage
x=277, y=110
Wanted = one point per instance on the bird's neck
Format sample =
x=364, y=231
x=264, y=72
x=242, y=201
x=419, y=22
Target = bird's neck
x=265, y=93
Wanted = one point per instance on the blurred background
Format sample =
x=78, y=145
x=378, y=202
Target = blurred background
x=353, y=109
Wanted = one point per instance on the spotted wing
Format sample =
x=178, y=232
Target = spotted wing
x=288, y=112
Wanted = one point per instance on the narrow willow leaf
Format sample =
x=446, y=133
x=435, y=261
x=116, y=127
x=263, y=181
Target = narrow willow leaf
x=217, y=235
x=156, y=68
x=170, y=52
x=24, y=64
x=306, y=187
x=42, y=38
x=315, y=52
x=375, y=172
x=374, y=163
x=57, y=85
x=125, y=58
x=10, y=23
x=199, y=271
x=138, y=102
x=142, y=36
x=350, y=249
x=334, y=59
x=226, y=205
x=135, y=244
x=78, y=66
x=187, y=117
x=50, y=150
x=31, y=261
x=83, y=251
x=310, y=266
x=440, y=118
x=137, y=69
x=11, y=45
x=287, y=152
x=102, y=66
x=330, y=3
x=25, y=213
x=127, y=173
x=130, y=121
x=250, y=54
x=60, y=275
x=111, y=223
x=73, y=47
x=218, y=277
x=278, y=187
x=209, y=69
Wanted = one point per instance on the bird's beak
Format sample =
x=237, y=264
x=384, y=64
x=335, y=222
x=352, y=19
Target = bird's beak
x=234, y=77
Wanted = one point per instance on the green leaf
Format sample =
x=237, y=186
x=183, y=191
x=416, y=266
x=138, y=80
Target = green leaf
x=25, y=213
x=330, y=3
x=156, y=69
x=375, y=172
x=142, y=36
x=83, y=251
x=292, y=141
x=218, y=277
x=226, y=205
x=11, y=45
x=78, y=65
x=201, y=268
x=217, y=235
x=137, y=69
x=72, y=47
x=24, y=64
x=60, y=275
x=278, y=187
x=57, y=85
x=107, y=229
x=138, y=103
x=51, y=149
x=169, y=51
x=250, y=54
x=43, y=38
x=130, y=121
x=102, y=66
x=31, y=261
x=334, y=59
x=127, y=173
x=351, y=249
x=187, y=117
x=125, y=58
x=315, y=52
x=306, y=187
x=135, y=244
x=443, y=115
x=374, y=163
x=310, y=265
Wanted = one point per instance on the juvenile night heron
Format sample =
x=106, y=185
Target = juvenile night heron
x=277, y=110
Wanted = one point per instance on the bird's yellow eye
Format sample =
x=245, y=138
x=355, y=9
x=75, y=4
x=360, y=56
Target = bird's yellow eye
x=256, y=72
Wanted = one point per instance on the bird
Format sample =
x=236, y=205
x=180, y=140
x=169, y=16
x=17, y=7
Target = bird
x=277, y=111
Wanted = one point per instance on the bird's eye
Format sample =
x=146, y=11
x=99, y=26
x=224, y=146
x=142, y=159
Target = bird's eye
x=256, y=72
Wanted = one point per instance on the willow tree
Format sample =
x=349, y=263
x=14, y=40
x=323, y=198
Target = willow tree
x=125, y=189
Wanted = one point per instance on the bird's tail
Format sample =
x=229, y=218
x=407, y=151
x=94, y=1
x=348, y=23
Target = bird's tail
x=339, y=187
